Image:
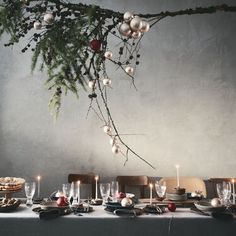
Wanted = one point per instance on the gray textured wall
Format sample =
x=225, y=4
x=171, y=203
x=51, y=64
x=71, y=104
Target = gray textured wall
x=185, y=106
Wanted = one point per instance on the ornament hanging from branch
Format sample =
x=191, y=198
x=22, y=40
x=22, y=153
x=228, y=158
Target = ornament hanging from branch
x=73, y=42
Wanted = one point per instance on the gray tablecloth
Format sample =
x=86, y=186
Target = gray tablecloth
x=183, y=222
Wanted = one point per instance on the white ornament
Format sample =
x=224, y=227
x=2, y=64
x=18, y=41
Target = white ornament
x=145, y=26
x=124, y=29
x=115, y=149
x=48, y=18
x=91, y=84
x=215, y=202
x=129, y=70
x=37, y=25
x=107, y=129
x=136, y=34
x=136, y=23
x=106, y=81
x=128, y=16
x=126, y=202
x=108, y=54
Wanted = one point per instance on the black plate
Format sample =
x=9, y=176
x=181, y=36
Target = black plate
x=82, y=209
x=124, y=212
x=112, y=206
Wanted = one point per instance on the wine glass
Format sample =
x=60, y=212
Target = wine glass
x=114, y=190
x=66, y=191
x=29, y=192
x=105, y=189
x=160, y=189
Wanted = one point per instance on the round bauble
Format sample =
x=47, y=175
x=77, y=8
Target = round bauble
x=91, y=84
x=95, y=44
x=126, y=202
x=136, y=23
x=124, y=29
x=48, y=18
x=128, y=16
x=215, y=202
x=171, y=207
x=129, y=70
x=136, y=34
x=115, y=149
x=37, y=25
x=145, y=26
x=106, y=81
x=107, y=129
x=108, y=54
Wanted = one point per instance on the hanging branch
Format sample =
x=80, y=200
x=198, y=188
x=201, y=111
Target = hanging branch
x=71, y=42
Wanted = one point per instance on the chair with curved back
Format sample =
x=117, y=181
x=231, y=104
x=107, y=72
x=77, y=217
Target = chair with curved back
x=191, y=184
x=84, y=179
x=140, y=181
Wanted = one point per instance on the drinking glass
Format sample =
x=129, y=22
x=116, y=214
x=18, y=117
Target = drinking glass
x=160, y=189
x=74, y=193
x=29, y=192
x=224, y=192
x=114, y=190
x=66, y=191
x=105, y=189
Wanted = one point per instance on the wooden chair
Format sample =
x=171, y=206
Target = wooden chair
x=84, y=179
x=214, y=181
x=191, y=184
x=139, y=181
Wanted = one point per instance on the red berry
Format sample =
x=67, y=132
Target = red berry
x=171, y=207
x=95, y=44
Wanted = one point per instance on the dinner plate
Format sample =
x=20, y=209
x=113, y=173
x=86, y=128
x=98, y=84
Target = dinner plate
x=205, y=206
x=176, y=197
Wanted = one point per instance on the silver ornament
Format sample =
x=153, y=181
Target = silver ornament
x=215, y=202
x=37, y=25
x=107, y=129
x=136, y=34
x=106, y=81
x=108, y=54
x=115, y=149
x=48, y=18
x=91, y=84
x=124, y=29
x=129, y=70
x=128, y=16
x=136, y=23
x=145, y=26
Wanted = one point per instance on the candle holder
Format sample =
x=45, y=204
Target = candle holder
x=179, y=191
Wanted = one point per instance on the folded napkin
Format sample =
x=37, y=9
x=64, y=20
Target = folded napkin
x=49, y=214
x=128, y=212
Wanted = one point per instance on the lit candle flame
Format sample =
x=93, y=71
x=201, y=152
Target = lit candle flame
x=78, y=182
x=96, y=177
x=150, y=185
x=39, y=177
x=177, y=166
x=233, y=180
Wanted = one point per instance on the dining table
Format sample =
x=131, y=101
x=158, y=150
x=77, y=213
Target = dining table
x=183, y=222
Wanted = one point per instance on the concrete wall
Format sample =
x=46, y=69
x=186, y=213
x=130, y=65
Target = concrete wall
x=185, y=106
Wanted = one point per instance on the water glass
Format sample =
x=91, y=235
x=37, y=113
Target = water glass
x=105, y=189
x=114, y=190
x=66, y=191
x=74, y=190
x=224, y=192
x=160, y=189
x=29, y=192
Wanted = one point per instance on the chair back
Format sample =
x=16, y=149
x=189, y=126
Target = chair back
x=140, y=181
x=191, y=184
x=84, y=179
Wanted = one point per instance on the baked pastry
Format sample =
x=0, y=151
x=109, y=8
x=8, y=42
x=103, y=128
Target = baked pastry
x=11, y=183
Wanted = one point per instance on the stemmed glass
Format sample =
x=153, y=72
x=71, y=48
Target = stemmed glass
x=114, y=190
x=224, y=192
x=74, y=193
x=160, y=189
x=29, y=192
x=66, y=189
x=105, y=189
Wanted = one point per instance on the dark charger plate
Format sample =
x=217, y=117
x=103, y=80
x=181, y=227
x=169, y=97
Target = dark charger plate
x=112, y=206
